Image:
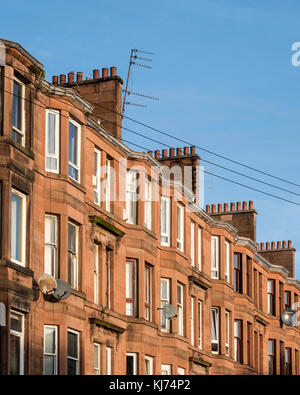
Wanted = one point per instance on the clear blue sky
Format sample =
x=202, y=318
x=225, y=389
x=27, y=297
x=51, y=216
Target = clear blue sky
x=222, y=70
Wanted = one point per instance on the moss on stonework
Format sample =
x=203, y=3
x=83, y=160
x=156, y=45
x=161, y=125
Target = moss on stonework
x=106, y=225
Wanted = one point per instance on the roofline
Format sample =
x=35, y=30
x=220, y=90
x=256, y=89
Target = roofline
x=23, y=51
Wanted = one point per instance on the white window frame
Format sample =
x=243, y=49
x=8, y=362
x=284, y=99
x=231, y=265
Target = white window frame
x=217, y=340
x=200, y=326
x=74, y=284
x=21, y=131
x=180, y=227
x=165, y=236
x=227, y=261
x=150, y=360
x=135, y=359
x=166, y=370
x=227, y=333
x=57, y=145
x=148, y=203
x=215, y=257
x=180, y=312
x=22, y=228
x=192, y=243
x=131, y=292
x=75, y=166
x=54, y=271
x=199, y=248
x=97, y=363
x=78, y=348
x=55, y=354
x=163, y=302
x=180, y=371
x=96, y=273
x=21, y=335
x=131, y=197
x=108, y=185
x=108, y=360
x=97, y=176
x=192, y=315
x=148, y=292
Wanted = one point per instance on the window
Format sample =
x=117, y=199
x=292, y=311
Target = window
x=74, y=150
x=192, y=244
x=165, y=221
x=227, y=333
x=18, y=227
x=50, y=350
x=287, y=361
x=227, y=261
x=73, y=353
x=148, y=285
x=238, y=273
x=200, y=324
x=131, y=364
x=199, y=248
x=147, y=214
x=215, y=330
x=108, y=361
x=180, y=371
x=108, y=184
x=180, y=309
x=131, y=197
x=271, y=297
x=51, y=245
x=18, y=130
x=108, y=277
x=215, y=257
x=164, y=299
x=97, y=176
x=52, y=141
x=16, y=343
x=249, y=343
x=180, y=227
x=255, y=286
x=238, y=342
x=96, y=273
x=296, y=362
x=260, y=290
x=192, y=321
x=248, y=276
x=73, y=255
x=272, y=356
x=287, y=299
x=166, y=370
x=96, y=359
x=148, y=365
x=131, y=287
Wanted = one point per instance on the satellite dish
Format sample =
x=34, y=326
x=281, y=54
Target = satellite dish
x=169, y=311
x=47, y=284
x=289, y=317
x=63, y=290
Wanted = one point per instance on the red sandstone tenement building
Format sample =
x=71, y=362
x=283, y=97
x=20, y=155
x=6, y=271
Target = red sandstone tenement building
x=124, y=258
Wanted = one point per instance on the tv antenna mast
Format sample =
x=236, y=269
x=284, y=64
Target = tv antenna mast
x=135, y=60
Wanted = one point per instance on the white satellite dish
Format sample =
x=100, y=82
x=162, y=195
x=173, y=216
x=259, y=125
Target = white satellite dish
x=169, y=311
x=47, y=284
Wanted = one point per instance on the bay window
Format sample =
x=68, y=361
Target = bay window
x=74, y=150
x=52, y=141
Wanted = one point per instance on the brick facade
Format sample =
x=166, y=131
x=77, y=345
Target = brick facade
x=118, y=321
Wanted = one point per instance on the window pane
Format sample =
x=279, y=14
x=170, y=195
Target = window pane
x=129, y=365
x=72, y=345
x=72, y=237
x=129, y=272
x=49, y=368
x=17, y=121
x=49, y=340
x=164, y=290
x=51, y=134
x=16, y=217
x=72, y=367
x=16, y=322
x=15, y=348
x=73, y=141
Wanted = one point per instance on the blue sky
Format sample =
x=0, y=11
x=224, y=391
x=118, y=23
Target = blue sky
x=222, y=70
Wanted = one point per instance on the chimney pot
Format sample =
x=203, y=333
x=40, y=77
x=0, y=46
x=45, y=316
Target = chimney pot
x=113, y=71
x=164, y=153
x=219, y=208
x=157, y=154
x=150, y=153
x=267, y=245
x=172, y=152
x=238, y=206
x=62, y=78
x=55, y=80
x=232, y=206
x=262, y=246
x=179, y=151
x=213, y=208
x=278, y=245
x=79, y=76
x=70, y=78
x=250, y=204
x=208, y=208
x=245, y=206
x=104, y=72
x=283, y=244
x=96, y=74
x=225, y=207
x=186, y=150
x=289, y=243
x=273, y=245
x=193, y=150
